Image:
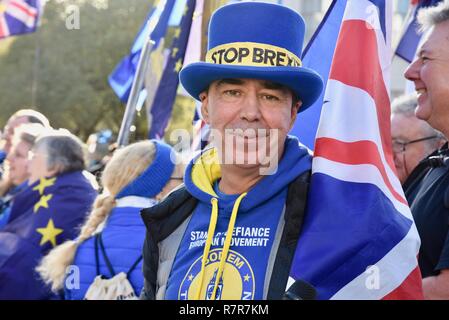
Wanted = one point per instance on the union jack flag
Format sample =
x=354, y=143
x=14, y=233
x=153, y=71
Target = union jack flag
x=411, y=36
x=359, y=240
x=18, y=17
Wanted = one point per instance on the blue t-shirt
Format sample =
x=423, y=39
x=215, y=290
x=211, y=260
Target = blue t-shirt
x=253, y=245
x=245, y=269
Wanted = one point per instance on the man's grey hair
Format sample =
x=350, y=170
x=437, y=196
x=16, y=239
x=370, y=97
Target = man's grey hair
x=65, y=152
x=406, y=105
x=429, y=17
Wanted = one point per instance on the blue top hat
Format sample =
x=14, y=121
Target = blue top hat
x=255, y=40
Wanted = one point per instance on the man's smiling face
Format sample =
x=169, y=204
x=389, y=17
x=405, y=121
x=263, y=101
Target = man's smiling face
x=247, y=111
x=430, y=74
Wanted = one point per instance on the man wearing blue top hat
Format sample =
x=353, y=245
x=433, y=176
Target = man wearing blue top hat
x=231, y=231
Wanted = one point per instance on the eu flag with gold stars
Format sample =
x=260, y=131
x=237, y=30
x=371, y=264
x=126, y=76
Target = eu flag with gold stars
x=44, y=215
x=122, y=77
x=165, y=96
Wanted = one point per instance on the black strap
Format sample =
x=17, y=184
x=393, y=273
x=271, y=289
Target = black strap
x=105, y=256
x=446, y=198
x=135, y=264
x=97, y=260
x=421, y=170
x=99, y=241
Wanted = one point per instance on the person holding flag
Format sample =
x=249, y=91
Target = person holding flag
x=232, y=231
x=238, y=95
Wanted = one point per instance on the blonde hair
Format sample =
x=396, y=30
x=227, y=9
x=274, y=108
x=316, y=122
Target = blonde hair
x=125, y=165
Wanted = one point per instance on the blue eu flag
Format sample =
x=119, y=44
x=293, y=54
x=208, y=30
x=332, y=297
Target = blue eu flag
x=121, y=78
x=43, y=216
x=166, y=93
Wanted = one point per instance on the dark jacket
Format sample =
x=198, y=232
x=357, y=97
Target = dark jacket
x=427, y=191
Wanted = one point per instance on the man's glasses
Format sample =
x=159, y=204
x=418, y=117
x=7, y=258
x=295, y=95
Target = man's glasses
x=400, y=146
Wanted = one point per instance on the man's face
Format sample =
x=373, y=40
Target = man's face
x=430, y=73
x=404, y=129
x=11, y=125
x=18, y=162
x=248, y=111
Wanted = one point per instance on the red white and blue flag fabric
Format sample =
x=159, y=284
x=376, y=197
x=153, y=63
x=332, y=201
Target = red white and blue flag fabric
x=359, y=240
x=18, y=17
x=411, y=36
x=318, y=56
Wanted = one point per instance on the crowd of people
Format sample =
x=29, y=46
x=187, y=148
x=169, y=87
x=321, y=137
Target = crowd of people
x=138, y=231
x=52, y=206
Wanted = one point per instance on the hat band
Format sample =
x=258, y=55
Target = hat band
x=252, y=54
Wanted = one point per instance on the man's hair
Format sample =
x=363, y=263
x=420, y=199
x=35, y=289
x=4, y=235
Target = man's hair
x=33, y=116
x=65, y=152
x=429, y=17
x=406, y=105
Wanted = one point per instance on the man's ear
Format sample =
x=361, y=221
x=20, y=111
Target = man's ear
x=54, y=170
x=295, y=109
x=204, y=106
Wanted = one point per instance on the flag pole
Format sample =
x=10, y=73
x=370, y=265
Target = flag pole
x=34, y=78
x=130, y=111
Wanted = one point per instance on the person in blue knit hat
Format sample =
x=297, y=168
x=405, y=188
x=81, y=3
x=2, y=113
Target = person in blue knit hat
x=231, y=232
x=135, y=178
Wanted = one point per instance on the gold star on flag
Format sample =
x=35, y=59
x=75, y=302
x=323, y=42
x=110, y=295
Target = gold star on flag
x=196, y=15
x=157, y=63
x=43, y=202
x=177, y=33
x=186, y=9
x=49, y=233
x=174, y=52
x=178, y=65
x=190, y=277
x=44, y=183
x=246, y=278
